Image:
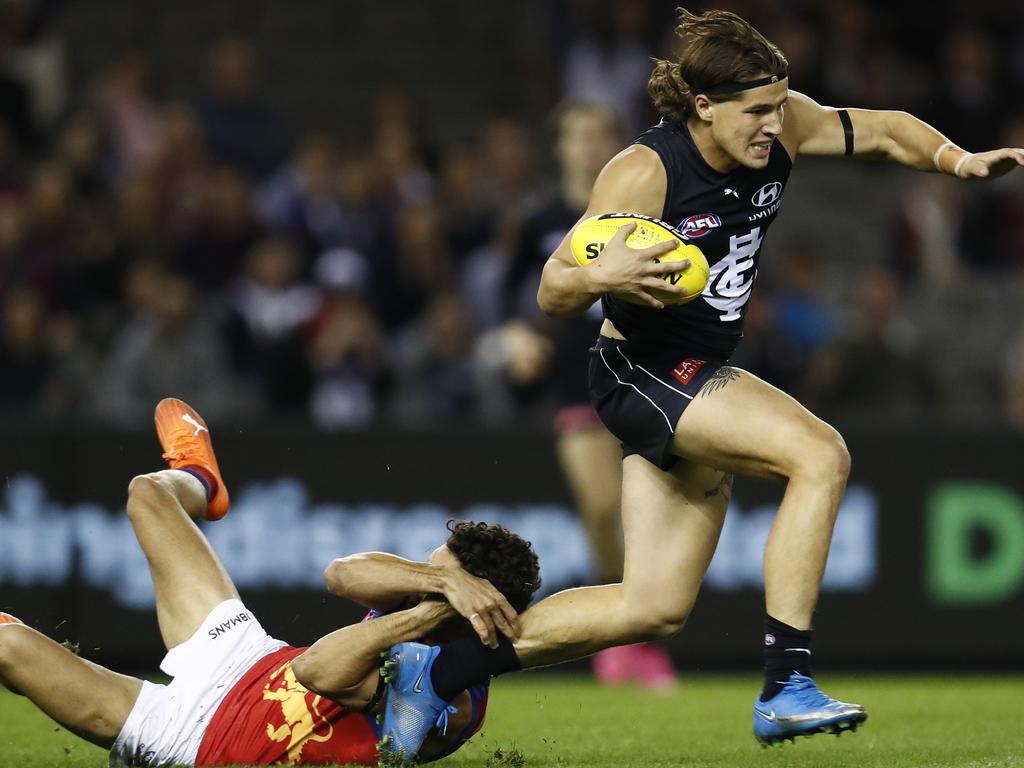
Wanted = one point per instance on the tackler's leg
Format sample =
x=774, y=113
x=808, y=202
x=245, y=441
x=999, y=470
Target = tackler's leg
x=87, y=699
x=188, y=577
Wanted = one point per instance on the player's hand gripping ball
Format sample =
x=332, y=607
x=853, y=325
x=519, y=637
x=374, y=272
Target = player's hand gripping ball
x=591, y=235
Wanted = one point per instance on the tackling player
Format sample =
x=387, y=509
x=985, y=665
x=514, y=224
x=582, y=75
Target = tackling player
x=237, y=694
x=716, y=168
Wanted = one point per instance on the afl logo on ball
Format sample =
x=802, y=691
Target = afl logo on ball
x=767, y=194
x=699, y=224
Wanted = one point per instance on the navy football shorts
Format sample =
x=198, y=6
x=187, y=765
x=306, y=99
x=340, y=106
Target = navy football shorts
x=640, y=394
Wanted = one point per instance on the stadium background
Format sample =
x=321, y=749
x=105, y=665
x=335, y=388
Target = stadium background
x=296, y=217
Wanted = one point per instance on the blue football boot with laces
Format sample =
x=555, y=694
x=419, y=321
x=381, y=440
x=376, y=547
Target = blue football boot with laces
x=801, y=709
x=412, y=707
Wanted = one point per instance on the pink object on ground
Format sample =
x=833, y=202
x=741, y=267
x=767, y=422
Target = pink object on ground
x=647, y=665
x=655, y=670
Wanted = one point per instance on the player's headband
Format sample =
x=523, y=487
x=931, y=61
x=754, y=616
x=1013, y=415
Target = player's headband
x=725, y=88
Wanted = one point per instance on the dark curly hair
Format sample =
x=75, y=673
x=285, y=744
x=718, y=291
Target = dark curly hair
x=494, y=553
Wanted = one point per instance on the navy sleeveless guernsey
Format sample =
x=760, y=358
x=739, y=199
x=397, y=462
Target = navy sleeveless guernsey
x=727, y=215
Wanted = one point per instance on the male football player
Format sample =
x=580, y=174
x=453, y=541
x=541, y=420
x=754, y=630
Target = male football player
x=716, y=168
x=237, y=694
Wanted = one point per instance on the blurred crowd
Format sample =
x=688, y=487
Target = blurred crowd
x=201, y=248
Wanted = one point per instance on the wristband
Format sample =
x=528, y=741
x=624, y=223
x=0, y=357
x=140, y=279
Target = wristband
x=960, y=164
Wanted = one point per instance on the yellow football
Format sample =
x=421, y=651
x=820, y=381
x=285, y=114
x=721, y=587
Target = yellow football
x=592, y=235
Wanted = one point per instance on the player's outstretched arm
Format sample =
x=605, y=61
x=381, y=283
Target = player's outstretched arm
x=811, y=129
x=633, y=182
x=383, y=581
x=343, y=665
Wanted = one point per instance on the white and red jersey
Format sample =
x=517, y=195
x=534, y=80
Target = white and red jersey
x=234, y=699
x=270, y=718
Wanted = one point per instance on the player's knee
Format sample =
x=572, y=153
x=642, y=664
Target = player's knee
x=14, y=645
x=834, y=456
x=144, y=491
x=824, y=456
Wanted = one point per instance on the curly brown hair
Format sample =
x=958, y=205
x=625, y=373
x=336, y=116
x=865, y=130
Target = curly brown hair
x=494, y=553
x=717, y=48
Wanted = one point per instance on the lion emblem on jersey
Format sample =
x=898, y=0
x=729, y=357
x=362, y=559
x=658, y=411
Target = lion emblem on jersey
x=301, y=719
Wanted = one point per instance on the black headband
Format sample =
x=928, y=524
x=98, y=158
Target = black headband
x=724, y=88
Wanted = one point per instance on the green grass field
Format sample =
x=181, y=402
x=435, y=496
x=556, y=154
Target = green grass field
x=915, y=722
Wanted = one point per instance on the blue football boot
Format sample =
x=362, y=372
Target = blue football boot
x=412, y=707
x=801, y=709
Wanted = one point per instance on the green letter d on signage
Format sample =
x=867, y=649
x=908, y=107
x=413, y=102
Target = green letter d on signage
x=955, y=574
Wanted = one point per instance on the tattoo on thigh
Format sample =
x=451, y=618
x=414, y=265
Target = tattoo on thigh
x=719, y=379
x=724, y=487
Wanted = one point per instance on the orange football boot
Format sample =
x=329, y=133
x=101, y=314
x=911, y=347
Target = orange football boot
x=185, y=439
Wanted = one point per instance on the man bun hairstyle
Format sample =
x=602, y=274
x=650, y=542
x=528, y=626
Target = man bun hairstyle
x=495, y=553
x=716, y=48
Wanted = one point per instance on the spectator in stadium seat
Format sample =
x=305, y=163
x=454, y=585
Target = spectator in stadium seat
x=508, y=162
x=607, y=59
x=968, y=103
x=90, y=280
x=925, y=232
x=437, y=379
x=436, y=368
x=1013, y=384
x=12, y=165
x=994, y=219
x=168, y=346
x=269, y=309
x=878, y=370
x=15, y=266
x=24, y=358
x=15, y=95
x=468, y=220
x=80, y=148
x=241, y=130
x=215, y=250
x=185, y=170
x=346, y=347
x=300, y=199
x=398, y=149
x=63, y=398
x=46, y=241
x=125, y=100
x=419, y=266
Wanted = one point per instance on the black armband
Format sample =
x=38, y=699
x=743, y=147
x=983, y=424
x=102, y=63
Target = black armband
x=844, y=118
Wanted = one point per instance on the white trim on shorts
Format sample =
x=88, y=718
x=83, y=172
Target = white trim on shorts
x=168, y=722
x=663, y=383
x=671, y=426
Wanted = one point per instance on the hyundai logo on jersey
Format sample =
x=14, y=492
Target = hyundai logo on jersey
x=767, y=194
x=699, y=224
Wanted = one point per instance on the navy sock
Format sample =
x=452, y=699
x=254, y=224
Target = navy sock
x=786, y=650
x=466, y=662
x=204, y=477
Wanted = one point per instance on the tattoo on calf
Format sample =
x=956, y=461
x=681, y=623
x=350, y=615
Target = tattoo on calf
x=719, y=379
x=724, y=487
